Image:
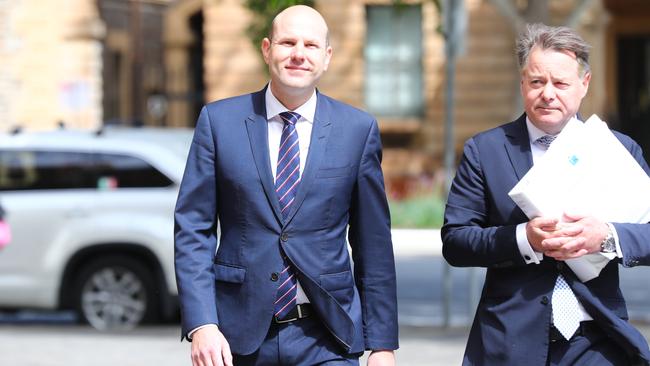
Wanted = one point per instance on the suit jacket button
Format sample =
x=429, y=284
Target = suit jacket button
x=284, y=237
x=544, y=300
x=274, y=276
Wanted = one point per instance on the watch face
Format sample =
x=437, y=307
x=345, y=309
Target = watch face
x=608, y=246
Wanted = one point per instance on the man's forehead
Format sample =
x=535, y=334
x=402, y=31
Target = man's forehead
x=295, y=31
x=535, y=71
x=549, y=62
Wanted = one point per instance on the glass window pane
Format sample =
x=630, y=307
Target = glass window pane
x=123, y=171
x=31, y=170
x=393, y=54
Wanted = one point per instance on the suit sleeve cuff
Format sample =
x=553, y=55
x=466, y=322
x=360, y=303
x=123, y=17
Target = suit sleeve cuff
x=191, y=332
x=525, y=249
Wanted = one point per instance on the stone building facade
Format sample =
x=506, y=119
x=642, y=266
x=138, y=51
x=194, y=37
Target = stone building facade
x=50, y=63
x=91, y=62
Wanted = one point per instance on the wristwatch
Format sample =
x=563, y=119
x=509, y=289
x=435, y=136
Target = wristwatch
x=608, y=245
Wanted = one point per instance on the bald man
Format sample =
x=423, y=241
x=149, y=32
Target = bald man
x=286, y=172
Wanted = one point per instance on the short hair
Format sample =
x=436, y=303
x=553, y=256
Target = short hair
x=562, y=39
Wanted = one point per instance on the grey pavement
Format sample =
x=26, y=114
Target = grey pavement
x=75, y=345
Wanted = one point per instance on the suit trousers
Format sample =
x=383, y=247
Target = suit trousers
x=592, y=347
x=303, y=342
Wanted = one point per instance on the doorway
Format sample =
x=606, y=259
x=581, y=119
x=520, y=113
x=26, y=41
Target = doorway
x=633, y=60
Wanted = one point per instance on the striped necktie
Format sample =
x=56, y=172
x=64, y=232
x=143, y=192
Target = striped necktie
x=287, y=175
x=287, y=178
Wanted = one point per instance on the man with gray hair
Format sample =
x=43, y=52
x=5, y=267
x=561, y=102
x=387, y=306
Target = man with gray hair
x=533, y=309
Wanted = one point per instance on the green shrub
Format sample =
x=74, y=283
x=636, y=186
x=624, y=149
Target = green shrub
x=418, y=211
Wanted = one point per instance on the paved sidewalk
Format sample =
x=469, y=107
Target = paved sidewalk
x=73, y=345
x=430, y=346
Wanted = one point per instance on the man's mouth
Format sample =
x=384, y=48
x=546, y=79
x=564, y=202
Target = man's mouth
x=296, y=68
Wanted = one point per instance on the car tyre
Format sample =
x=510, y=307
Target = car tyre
x=115, y=293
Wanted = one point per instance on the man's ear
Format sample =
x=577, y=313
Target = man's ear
x=266, y=49
x=585, y=83
x=328, y=57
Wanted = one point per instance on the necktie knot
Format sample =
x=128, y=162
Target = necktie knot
x=546, y=140
x=289, y=117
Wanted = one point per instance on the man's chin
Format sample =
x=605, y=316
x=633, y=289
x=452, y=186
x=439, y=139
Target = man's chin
x=549, y=123
x=297, y=84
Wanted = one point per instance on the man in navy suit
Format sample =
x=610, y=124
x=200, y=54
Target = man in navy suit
x=286, y=173
x=533, y=309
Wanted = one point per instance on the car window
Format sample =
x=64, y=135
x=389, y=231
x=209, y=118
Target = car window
x=124, y=171
x=30, y=170
x=40, y=170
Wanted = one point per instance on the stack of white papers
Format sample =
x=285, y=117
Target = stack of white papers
x=586, y=171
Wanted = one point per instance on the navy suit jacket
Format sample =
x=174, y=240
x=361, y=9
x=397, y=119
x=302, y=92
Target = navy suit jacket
x=228, y=180
x=511, y=325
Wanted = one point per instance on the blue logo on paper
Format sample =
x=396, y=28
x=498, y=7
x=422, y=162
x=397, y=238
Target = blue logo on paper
x=573, y=160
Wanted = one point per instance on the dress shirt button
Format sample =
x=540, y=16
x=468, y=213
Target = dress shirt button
x=527, y=257
x=284, y=237
x=544, y=300
x=274, y=276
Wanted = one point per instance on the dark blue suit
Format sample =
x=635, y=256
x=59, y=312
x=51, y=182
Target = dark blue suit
x=228, y=178
x=511, y=326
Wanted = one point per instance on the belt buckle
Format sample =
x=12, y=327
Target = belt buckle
x=282, y=321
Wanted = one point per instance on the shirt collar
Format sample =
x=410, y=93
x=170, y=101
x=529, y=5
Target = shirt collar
x=534, y=133
x=274, y=107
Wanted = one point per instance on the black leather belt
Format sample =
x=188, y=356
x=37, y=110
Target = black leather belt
x=585, y=328
x=300, y=311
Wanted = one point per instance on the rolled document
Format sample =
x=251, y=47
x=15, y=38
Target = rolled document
x=586, y=171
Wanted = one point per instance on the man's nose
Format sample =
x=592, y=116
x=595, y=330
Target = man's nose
x=548, y=93
x=298, y=51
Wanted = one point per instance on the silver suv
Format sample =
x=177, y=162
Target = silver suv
x=92, y=222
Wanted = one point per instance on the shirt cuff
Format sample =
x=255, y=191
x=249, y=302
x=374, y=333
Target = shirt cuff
x=619, y=252
x=525, y=249
x=189, y=335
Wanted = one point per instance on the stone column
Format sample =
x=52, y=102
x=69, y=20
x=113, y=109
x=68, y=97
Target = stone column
x=80, y=91
x=178, y=38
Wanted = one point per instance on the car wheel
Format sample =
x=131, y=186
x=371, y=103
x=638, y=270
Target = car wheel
x=115, y=293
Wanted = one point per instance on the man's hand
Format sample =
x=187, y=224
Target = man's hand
x=381, y=358
x=210, y=348
x=577, y=236
x=538, y=229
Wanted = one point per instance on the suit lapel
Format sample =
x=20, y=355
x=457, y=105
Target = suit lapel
x=257, y=127
x=518, y=147
x=319, y=136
